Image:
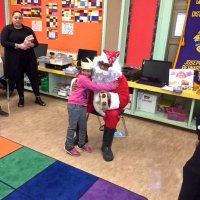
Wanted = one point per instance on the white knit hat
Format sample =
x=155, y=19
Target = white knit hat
x=87, y=65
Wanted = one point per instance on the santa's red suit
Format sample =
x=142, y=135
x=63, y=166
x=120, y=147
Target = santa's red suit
x=119, y=99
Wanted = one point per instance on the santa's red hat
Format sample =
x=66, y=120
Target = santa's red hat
x=111, y=56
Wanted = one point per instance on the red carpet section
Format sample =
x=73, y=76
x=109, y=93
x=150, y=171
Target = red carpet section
x=29, y=175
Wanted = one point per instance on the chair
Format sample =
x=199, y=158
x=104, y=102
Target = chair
x=117, y=134
x=41, y=50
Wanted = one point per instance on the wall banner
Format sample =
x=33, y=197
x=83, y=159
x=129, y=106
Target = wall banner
x=188, y=56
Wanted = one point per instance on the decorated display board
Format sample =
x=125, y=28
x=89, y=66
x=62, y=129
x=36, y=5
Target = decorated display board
x=66, y=25
x=188, y=55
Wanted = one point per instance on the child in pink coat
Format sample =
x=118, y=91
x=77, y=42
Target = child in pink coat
x=77, y=108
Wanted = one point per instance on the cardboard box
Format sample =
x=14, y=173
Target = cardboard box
x=147, y=102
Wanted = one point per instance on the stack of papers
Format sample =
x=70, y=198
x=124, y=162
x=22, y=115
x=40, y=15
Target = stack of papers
x=71, y=70
x=61, y=61
x=168, y=88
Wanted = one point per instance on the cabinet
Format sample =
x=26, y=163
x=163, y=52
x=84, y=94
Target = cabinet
x=191, y=103
x=55, y=79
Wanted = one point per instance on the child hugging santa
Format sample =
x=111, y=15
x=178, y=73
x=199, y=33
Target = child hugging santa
x=106, y=69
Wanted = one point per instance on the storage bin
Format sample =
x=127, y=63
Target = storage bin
x=176, y=114
x=44, y=84
x=147, y=102
x=164, y=104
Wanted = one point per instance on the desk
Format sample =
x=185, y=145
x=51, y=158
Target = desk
x=190, y=95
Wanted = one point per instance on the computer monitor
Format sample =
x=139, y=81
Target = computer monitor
x=83, y=53
x=41, y=50
x=156, y=71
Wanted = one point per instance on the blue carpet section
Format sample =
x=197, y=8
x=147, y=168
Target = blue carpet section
x=18, y=196
x=57, y=182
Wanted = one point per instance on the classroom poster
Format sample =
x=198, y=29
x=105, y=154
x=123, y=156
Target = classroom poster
x=188, y=56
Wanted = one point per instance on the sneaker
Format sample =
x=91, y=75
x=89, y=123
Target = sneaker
x=86, y=148
x=72, y=152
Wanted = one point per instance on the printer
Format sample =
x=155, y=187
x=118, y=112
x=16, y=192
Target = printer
x=131, y=73
x=60, y=62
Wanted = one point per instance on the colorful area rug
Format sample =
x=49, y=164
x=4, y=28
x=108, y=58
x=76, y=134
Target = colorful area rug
x=29, y=175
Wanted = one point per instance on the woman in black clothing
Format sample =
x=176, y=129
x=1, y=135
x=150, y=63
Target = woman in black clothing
x=20, y=57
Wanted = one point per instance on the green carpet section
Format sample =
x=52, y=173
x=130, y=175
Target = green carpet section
x=22, y=165
x=4, y=190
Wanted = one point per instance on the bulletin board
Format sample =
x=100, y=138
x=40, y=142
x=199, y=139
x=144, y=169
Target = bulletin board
x=66, y=25
x=188, y=54
x=142, y=24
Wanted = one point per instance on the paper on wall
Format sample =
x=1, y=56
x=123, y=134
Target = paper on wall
x=68, y=28
x=37, y=25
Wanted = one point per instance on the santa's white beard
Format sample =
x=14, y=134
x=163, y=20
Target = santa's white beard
x=103, y=77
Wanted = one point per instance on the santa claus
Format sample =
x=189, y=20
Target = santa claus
x=102, y=74
x=107, y=69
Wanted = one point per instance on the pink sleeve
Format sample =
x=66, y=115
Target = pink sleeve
x=87, y=83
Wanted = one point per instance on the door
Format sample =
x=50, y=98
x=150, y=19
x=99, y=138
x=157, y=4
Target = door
x=112, y=24
x=177, y=22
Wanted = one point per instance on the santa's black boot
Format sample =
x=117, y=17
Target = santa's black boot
x=107, y=143
x=76, y=138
